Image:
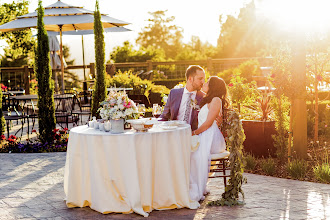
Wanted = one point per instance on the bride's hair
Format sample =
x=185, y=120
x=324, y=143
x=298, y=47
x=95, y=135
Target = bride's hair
x=217, y=88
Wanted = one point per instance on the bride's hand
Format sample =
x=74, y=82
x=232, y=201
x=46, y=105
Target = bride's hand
x=193, y=133
x=218, y=120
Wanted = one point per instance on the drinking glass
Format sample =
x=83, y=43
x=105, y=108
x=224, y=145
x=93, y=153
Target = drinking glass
x=156, y=110
x=141, y=109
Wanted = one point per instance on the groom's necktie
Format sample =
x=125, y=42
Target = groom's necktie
x=188, y=109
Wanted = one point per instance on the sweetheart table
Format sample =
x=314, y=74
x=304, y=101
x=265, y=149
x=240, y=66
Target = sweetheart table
x=128, y=172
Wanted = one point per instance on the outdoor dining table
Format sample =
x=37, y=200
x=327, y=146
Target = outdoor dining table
x=128, y=172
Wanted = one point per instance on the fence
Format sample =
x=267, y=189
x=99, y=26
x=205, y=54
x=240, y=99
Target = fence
x=19, y=77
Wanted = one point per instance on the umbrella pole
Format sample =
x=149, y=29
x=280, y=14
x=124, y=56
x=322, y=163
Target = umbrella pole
x=61, y=56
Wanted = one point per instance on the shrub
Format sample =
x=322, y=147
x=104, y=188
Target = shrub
x=100, y=92
x=250, y=162
x=46, y=115
x=322, y=172
x=268, y=166
x=247, y=70
x=297, y=168
x=140, y=86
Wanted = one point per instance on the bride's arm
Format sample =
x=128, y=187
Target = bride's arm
x=214, y=110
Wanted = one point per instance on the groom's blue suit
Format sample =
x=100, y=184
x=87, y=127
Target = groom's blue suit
x=172, y=106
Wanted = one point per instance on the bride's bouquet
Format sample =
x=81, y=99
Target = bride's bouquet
x=117, y=105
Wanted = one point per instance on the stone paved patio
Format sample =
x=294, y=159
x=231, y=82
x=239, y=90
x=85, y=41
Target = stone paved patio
x=31, y=187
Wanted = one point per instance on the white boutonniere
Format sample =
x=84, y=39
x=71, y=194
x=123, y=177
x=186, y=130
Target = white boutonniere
x=193, y=104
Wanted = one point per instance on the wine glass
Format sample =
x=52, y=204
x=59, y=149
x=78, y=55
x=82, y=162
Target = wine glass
x=156, y=110
x=141, y=109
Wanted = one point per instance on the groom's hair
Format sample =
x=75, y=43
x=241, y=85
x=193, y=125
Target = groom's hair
x=191, y=70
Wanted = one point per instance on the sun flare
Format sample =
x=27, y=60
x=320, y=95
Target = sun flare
x=305, y=14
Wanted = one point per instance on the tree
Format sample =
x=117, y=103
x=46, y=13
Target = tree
x=46, y=115
x=126, y=53
x=20, y=43
x=160, y=33
x=244, y=36
x=196, y=50
x=99, y=93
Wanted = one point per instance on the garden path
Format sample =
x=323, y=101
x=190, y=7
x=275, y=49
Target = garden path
x=31, y=186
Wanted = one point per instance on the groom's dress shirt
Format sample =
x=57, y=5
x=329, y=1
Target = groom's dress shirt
x=183, y=104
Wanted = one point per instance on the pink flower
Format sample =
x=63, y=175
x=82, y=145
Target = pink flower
x=230, y=85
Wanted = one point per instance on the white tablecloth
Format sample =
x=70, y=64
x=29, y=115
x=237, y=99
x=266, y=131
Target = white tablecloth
x=128, y=172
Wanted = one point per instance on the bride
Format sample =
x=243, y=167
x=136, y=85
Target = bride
x=211, y=139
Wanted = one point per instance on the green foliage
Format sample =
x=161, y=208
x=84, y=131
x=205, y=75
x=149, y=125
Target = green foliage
x=250, y=162
x=281, y=109
x=324, y=118
x=262, y=107
x=126, y=53
x=235, y=141
x=161, y=33
x=281, y=76
x=20, y=43
x=268, y=166
x=46, y=114
x=2, y=119
x=248, y=35
x=297, y=168
x=241, y=92
x=129, y=80
x=100, y=92
x=196, y=50
x=247, y=70
x=322, y=172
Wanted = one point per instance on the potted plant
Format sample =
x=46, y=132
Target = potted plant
x=259, y=131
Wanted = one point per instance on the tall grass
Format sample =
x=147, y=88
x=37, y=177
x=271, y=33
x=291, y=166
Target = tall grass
x=297, y=168
x=250, y=161
x=268, y=166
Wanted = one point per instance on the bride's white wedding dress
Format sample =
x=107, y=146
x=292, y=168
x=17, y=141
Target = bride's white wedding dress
x=211, y=142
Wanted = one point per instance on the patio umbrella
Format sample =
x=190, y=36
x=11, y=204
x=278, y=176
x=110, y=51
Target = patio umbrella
x=87, y=32
x=61, y=17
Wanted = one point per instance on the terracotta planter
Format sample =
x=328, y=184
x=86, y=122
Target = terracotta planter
x=259, y=139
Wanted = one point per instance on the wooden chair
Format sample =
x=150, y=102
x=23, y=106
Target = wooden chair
x=220, y=166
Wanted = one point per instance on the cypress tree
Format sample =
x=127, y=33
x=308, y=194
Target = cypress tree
x=99, y=93
x=46, y=115
x=2, y=119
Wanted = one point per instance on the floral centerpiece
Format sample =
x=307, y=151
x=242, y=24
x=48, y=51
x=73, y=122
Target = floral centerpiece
x=118, y=106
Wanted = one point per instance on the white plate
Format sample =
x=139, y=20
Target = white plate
x=167, y=127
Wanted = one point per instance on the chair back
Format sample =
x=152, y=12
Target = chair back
x=64, y=103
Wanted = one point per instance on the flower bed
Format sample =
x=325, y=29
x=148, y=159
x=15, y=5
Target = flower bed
x=14, y=145
x=314, y=169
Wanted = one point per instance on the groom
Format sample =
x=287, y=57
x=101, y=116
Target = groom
x=181, y=102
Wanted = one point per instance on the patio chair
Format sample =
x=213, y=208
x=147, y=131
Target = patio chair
x=84, y=106
x=219, y=166
x=16, y=115
x=64, y=106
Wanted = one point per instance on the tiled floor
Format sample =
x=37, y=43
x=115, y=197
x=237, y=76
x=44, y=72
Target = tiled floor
x=31, y=186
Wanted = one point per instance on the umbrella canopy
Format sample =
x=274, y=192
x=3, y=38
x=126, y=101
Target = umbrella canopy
x=87, y=32
x=61, y=17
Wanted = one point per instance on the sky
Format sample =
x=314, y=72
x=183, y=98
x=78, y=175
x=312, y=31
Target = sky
x=197, y=18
